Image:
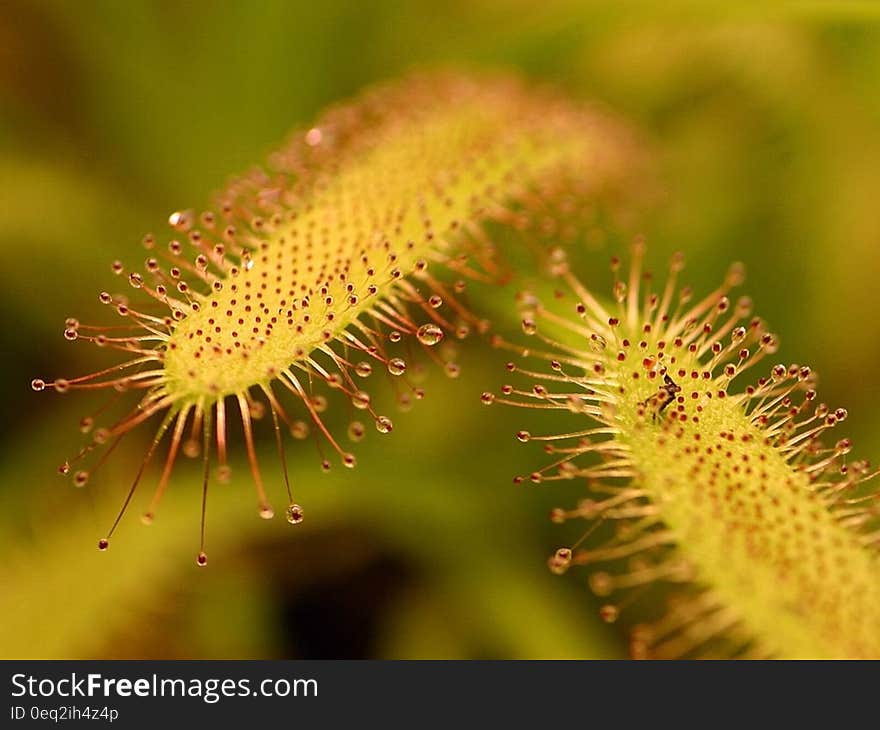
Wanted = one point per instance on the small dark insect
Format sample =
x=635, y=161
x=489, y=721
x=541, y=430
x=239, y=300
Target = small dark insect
x=664, y=396
x=670, y=388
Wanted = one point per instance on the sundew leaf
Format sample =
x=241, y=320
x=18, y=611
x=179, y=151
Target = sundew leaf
x=728, y=500
x=349, y=252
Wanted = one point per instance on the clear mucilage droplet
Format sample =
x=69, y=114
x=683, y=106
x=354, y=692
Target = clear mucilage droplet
x=356, y=431
x=396, y=366
x=294, y=514
x=429, y=334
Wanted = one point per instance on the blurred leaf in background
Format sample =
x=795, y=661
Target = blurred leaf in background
x=765, y=125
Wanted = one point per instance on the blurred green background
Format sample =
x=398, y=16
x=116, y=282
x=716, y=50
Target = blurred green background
x=763, y=123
